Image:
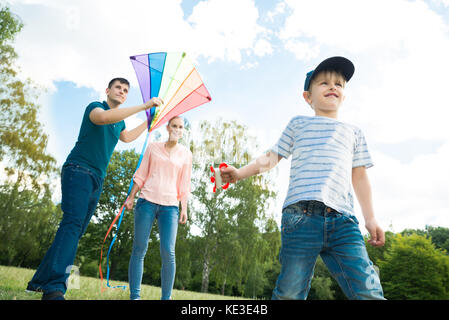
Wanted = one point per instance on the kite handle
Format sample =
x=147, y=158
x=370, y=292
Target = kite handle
x=216, y=178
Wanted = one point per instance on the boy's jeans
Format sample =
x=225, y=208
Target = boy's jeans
x=167, y=218
x=81, y=189
x=309, y=229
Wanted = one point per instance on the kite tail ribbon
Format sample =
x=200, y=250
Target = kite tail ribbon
x=120, y=215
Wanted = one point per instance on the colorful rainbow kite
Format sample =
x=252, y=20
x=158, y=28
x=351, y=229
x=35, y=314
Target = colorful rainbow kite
x=173, y=78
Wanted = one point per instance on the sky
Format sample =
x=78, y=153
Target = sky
x=253, y=56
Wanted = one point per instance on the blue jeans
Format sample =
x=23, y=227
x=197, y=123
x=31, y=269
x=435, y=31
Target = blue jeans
x=167, y=218
x=309, y=229
x=81, y=189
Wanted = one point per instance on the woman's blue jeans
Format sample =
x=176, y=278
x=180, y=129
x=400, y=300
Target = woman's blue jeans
x=309, y=229
x=167, y=217
x=81, y=189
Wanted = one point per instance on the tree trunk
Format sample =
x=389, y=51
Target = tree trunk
x=223, y=287
x=206, y=271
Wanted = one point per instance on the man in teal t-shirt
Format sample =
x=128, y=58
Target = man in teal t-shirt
x=95, y=142
x=82, y=178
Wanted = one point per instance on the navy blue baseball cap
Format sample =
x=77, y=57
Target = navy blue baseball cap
x=339, y=64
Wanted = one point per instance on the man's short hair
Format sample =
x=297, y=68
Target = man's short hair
x=121, y=80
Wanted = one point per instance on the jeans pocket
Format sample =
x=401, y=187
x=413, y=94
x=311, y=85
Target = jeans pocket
x=139, y=202
x=351, y=219
x=291, y=220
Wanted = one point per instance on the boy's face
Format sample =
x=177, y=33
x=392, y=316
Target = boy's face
x=118, y=92
x=326, y=93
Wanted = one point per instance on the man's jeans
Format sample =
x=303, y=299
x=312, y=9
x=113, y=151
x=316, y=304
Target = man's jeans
x=167, y=218
x=309, y=229
x=81, y=189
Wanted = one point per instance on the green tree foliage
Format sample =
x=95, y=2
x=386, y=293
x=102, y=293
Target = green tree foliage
x=235, y=226
x=22, y=141
x=414, y=269
x=28, y=224
x=28, y=217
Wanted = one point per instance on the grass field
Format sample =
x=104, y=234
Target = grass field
x=13, y=282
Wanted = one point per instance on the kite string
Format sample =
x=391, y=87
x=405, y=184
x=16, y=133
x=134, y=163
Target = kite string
x=121, y=211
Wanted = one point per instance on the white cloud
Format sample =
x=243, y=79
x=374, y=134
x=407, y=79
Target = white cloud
x=441, y=2
x=411, y=195
x=279, y=10
x=262, y=47
x=224, y=28
x=399, y=86
x=89, y=42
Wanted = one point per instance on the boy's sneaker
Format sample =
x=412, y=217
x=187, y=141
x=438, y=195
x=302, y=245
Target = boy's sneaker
x=55, y=295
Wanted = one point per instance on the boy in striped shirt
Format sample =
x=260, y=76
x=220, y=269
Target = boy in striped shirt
x=318, y=212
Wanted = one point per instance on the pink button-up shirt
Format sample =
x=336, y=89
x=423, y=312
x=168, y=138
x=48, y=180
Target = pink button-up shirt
x=164, y=178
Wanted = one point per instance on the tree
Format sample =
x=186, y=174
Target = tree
x=28, y=217
x=440, y=237
x=22, y=141
x=27, y=226
x=230, y=221
x=415, y=269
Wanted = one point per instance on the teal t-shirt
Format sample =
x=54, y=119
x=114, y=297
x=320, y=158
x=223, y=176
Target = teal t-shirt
x=95, y=143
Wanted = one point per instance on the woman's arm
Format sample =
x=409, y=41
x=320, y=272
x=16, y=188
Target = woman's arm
x=130, y=200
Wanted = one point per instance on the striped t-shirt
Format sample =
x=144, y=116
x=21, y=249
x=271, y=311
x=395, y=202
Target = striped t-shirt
x=324, y=151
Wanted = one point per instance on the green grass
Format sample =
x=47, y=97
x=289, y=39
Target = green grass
x=13, y=282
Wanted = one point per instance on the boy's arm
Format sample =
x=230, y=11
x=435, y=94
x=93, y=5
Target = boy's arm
x=362, y=190
x=100, y=116
x=264, y=163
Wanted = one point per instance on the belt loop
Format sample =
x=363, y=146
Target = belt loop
x=310, y=207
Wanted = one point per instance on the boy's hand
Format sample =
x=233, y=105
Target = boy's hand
x=377, y=234
x=153, y=102
x=229, y=174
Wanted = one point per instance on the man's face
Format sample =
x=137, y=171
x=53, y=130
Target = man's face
x=118, y=92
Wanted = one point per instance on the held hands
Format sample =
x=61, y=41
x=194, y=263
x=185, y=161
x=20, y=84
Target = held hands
x=153, y=102
x=377, y=234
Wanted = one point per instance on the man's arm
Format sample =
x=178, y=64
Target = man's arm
x=363, y=192
x=103, y=117
x=265, y=162
x=129, y=136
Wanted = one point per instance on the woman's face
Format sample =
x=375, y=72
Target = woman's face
x=175, y=129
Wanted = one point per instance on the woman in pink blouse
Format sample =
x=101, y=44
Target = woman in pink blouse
x=164, y=180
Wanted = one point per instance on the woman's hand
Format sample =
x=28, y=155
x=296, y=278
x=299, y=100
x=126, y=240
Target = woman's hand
x=129, y=203
x=183, y=217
